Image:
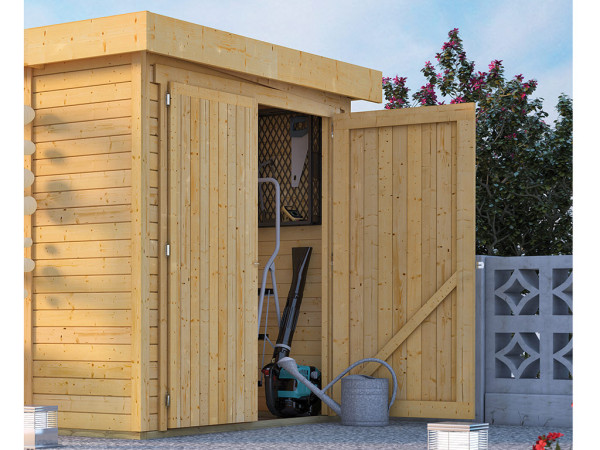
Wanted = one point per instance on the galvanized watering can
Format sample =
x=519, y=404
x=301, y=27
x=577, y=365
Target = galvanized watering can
x=364, y=398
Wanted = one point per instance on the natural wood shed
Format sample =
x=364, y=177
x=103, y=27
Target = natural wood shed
x=113, y=326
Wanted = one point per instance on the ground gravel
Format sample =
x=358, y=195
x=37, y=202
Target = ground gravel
x=400, y=434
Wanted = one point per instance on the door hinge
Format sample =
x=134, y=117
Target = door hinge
x=167, y=250
x=331, y=131
x=168, y=99
x=167, y=400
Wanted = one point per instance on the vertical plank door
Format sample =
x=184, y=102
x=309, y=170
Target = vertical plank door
x=403, y=252
x=212, y=373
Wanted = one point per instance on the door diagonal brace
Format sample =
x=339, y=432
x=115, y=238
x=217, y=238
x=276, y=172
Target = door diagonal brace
x=427, y=308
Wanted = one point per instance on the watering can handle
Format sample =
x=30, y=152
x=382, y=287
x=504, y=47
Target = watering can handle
x=395, y=383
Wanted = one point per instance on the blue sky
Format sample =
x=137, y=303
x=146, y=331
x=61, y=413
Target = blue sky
x=396, y=37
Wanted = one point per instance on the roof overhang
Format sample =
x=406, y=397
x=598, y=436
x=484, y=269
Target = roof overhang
x=146, y=31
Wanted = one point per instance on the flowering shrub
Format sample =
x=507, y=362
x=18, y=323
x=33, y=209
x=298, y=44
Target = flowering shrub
x=524, y=166
x=546, y=441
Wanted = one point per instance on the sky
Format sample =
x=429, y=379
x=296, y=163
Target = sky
x=396, y=37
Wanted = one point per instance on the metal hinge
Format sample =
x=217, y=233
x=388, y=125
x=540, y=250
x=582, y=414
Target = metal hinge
x=168, y=99
x=167, y=250
x=480, y=265
x=168, y=400
x=331, y=131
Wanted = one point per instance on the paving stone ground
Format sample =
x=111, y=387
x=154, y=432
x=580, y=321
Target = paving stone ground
x=400, y=434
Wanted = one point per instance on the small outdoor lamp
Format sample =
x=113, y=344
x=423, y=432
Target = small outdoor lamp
x=457, y=436
x=41, y=427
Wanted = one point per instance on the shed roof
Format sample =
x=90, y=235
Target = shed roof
x=163, y=35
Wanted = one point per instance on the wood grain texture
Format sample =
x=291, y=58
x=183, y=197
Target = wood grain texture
x=209, y=378
x=280, y=98
x=371, y=241
x=140, y=226
x=341, y=257
x=240, y=54
x=129, y=33
x=399, y=247
x=82, y=301
x=88, y=76
x=409, y=241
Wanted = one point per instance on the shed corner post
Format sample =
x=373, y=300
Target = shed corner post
x=140, y=243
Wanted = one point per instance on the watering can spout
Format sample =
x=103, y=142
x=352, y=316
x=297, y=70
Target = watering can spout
x=289, y=364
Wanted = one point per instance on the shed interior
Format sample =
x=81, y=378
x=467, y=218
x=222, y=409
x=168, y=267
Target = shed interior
x=275, y=161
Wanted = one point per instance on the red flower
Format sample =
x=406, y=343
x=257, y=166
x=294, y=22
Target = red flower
x=546, y=441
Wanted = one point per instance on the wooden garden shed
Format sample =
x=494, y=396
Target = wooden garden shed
x=148, y=134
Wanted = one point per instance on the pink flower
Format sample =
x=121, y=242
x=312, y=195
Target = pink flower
x=495, y=64
x=523, y=95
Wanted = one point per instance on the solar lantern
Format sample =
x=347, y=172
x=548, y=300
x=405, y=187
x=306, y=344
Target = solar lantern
x=41, y=427
x=457, y=436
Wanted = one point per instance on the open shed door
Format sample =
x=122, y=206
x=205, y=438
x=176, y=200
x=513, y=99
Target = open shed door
x=403, y=248
x=212, y=351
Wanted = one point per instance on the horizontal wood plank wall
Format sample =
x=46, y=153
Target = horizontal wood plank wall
x=82, y=242
x=403, y=218
x=212, y=279
x=306, y=344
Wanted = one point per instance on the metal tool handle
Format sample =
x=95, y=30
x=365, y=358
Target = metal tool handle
x=352, y=366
